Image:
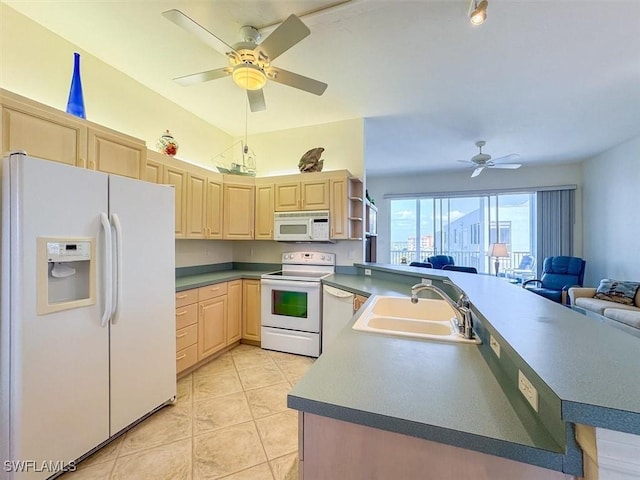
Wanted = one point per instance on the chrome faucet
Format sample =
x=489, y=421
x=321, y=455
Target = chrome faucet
x=465, y=327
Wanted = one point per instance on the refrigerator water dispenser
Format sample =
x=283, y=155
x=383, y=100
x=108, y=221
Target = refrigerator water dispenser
x=66, y=274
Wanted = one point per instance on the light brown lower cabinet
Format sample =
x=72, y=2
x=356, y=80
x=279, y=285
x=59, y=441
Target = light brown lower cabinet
x=209, y=319
x=251, y=310
x=358, y=301
x=212, y=326
x=332, y=448
x=186, y=329
x=234, y=311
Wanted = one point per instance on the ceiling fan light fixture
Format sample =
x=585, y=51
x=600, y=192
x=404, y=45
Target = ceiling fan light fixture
x=479, y=14
x=249, y=77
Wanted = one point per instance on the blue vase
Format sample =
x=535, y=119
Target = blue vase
x=75, y=104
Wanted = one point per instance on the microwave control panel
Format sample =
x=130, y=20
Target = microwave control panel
x=320, y=228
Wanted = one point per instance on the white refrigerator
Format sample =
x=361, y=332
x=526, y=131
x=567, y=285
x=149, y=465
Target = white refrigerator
x=87, y=326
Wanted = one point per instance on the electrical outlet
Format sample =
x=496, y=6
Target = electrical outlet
x=367, y=272
x=495, y=346
x=426, y=281
x=251, y=252
x=351, y=254
x=528, y=390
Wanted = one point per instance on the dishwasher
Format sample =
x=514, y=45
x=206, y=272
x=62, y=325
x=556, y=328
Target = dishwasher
x=337, y=310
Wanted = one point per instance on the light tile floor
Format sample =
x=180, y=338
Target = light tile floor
x=231, y=421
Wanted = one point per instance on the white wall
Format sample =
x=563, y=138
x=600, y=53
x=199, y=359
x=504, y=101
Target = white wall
x=347, y=251
x=525, y=177
x=36, y=63
x=278, y=153
x=611, y=227
x=203, y=252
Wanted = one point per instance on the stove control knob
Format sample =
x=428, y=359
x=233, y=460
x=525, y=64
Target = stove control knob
x=322, y=258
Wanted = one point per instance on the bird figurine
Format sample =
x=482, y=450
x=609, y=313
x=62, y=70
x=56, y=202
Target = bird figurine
x=310, y=161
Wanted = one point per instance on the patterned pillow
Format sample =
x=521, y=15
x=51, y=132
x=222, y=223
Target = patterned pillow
x=617, y=291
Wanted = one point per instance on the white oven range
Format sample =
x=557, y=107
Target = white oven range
x=291, y=307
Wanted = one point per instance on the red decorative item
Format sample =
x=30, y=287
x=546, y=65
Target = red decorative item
x=167, y=144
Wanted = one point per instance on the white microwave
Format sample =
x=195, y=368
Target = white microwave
x=312, y=226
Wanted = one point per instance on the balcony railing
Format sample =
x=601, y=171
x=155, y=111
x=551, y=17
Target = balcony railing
x=480, y=260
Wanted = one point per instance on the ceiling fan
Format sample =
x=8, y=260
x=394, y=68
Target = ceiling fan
x=483, y=160
x=250, y=61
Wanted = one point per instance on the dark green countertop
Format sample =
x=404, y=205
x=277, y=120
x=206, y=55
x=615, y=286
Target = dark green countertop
x=203, y=279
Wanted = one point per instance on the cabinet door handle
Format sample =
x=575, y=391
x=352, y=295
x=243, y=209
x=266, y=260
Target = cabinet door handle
x=83, y=162
x=184, y=334
x=92, y=164
x=181, y=296
x=179, y=314
x=181, y=357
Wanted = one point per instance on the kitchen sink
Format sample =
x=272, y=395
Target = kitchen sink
x=429, y=319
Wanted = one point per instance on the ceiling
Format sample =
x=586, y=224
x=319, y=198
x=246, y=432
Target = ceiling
x=555, y=81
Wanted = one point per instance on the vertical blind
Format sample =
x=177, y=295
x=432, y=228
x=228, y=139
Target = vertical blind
x=555, y=221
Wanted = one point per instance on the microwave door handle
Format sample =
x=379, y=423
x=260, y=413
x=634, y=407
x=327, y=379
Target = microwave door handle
x=311, y=229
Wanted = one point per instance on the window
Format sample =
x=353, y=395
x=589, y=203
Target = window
x=463, y=227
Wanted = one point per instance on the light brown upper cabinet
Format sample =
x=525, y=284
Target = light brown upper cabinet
x=302, y=194
x=214, y=206
x=264, y=210
x=153, y=169
x=116, y=153
x=173, y=175
x=196, y=206
x=238, y=205
x=204, y=203
x=42, y=132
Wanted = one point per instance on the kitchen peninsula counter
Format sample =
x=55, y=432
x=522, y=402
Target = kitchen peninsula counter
x=463, y=395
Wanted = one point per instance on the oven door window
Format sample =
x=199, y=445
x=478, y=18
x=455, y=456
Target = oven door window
x=289, y=304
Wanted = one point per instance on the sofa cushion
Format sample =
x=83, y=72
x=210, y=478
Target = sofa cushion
x=617, y=291
x=598, y=306
x=623, y=315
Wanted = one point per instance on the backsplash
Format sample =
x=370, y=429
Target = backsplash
x=203, y=252
x=347, y=251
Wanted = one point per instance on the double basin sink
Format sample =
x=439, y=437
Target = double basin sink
x=429, y=319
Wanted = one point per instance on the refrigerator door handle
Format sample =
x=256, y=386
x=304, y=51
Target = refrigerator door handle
x=108, y=269
x=117, y=281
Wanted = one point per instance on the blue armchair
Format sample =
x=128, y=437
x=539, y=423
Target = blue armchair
x=421, y=264
x=558, y=274
x=439, y=261
x=458, y=268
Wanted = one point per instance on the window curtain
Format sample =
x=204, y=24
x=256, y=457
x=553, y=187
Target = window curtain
x=555, y=222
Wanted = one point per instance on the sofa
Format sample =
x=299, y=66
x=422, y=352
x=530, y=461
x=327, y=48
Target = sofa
x=625, y=313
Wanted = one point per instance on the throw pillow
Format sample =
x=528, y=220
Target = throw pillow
x=617, y=291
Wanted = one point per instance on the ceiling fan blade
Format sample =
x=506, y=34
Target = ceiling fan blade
x=511, y=166
x=194, y=78
x=296, y=81
x=204, y=35
x=477, y=172
x=468, y=162
x=256, y=100
x=290, y=32
x=511, y=156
